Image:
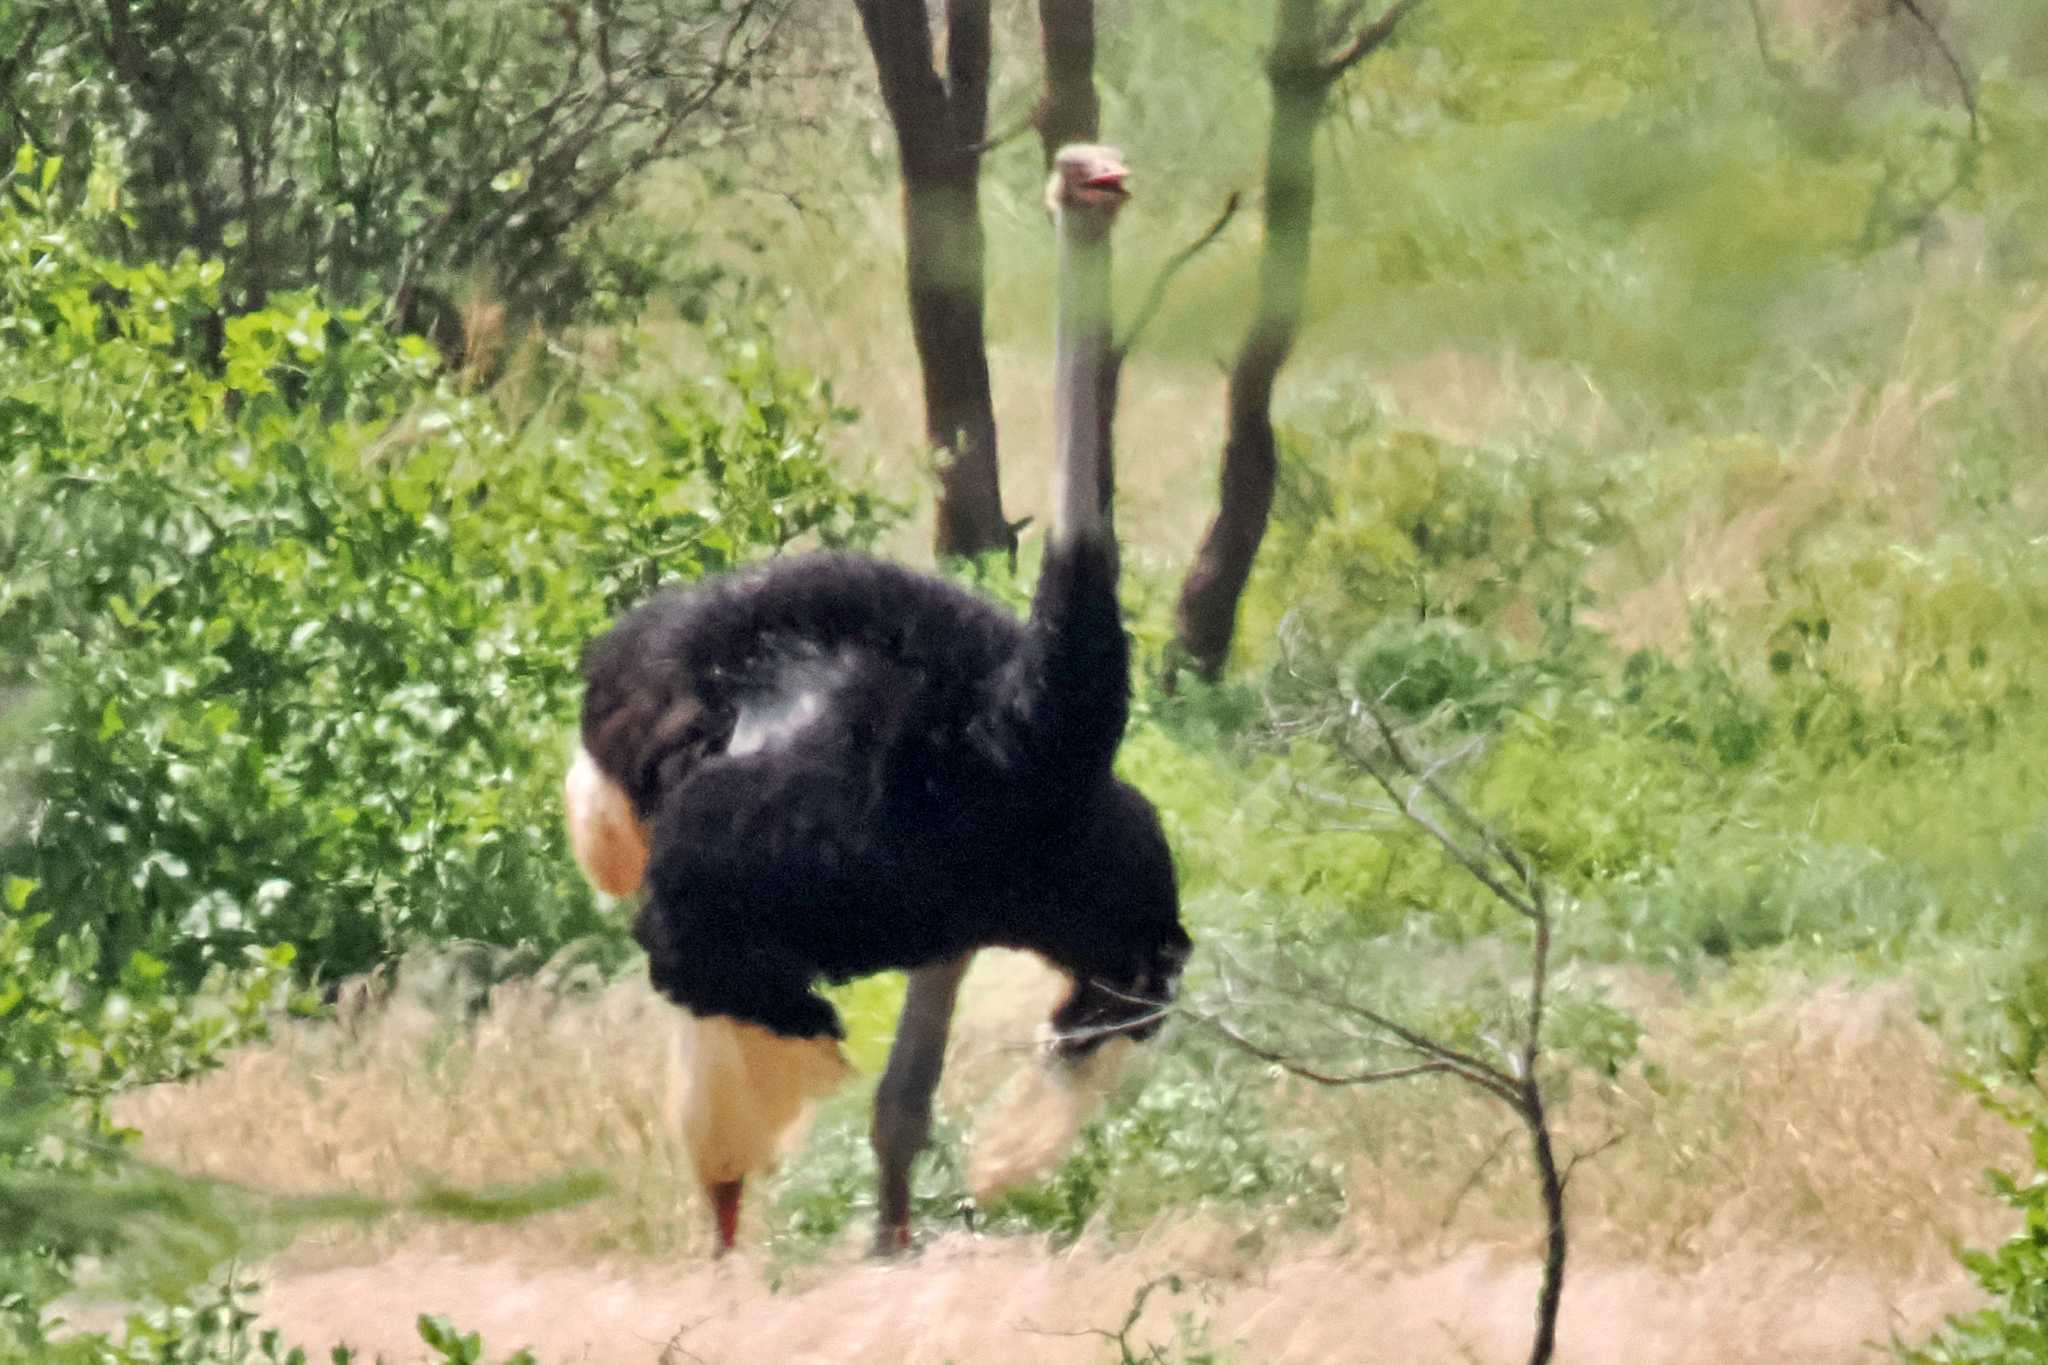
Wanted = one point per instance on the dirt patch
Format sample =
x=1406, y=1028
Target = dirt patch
x=967, y=1300
x=1787, y=1187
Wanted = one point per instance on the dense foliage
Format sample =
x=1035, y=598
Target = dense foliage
x=288, y=647
x=296, y=639
x=383, y=148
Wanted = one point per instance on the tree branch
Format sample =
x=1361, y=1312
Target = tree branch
x=1369, y=40
x=1948, y=54
x=1294, y=1067
x=1156, y=295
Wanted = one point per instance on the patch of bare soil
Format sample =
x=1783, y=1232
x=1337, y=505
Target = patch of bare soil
x=1790, y=1191
x=967, y=1300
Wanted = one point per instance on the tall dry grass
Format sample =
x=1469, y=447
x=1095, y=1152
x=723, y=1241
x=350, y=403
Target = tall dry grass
x=1820, y=1123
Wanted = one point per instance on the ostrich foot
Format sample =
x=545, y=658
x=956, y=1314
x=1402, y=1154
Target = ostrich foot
x=725, y=1205
x=891, y=1240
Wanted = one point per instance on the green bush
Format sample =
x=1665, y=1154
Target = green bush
x=71, y=1041
x=295, y=642
x=395, y=151
x=2014, y=1329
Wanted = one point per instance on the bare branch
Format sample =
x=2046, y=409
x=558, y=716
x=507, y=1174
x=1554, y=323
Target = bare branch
x=1472, y=863
x=1339, y=27
x=1529, y=900
x=1007, y=134
x=1772, y=62
x=1156, y=295
x=1607, y=1143
x=1294, y=1067
x=1121, y=1336
x=1948, y=54
x=1472, y=1179
x=1372, y=37
x=1477, y=1070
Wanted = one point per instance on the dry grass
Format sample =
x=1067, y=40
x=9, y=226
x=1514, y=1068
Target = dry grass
x=845, y=317
x=1790, y=1190
x=1497, y=399
x=1822, y=1124
x=400, y=1097
x=968, y=1300
x=1872, y=467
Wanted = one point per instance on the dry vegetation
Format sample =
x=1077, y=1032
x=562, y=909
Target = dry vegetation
x=1794, y=1186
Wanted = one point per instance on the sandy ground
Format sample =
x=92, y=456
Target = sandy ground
x=1797, y=1203
x=965, y=1299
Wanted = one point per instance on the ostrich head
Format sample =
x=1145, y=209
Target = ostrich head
x=1116, y=908
x=1087, y=185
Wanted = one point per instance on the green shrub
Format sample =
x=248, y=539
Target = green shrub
x=69, y=1040
x=297, y=642
x=395, y=151
x=2014, y=1329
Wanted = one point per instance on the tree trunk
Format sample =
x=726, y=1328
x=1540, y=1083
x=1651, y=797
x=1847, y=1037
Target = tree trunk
x=1223, y=565
x=1551, y=1182
x=1069, y=110
x=940, y=123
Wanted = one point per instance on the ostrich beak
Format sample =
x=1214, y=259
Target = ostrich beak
x=725, y=1203
x=1109, y=180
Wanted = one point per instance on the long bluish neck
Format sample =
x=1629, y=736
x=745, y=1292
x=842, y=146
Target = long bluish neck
x=1083, y=346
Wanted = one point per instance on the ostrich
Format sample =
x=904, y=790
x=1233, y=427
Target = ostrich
x=832, y=765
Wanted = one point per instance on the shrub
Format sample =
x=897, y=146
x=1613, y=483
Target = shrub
x=296, y=643
x=72, y=1041
x=2014, y=1329
x=348, y=148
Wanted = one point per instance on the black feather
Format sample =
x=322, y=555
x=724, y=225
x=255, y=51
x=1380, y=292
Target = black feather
x=925, y=775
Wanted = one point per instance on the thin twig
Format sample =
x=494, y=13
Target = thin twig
x=1156, y=295
x=1308, y=1073
x=1948, y=54
x=1610, y=1141
x=1010, y=132
x=1121, y=1337
x=1477, y=1070
x=1778, y=67
x=1529, y=900
x=1369, y=39
x=1471, y=1181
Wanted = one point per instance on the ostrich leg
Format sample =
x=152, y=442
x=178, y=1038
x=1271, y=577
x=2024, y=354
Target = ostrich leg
x=903, y=1099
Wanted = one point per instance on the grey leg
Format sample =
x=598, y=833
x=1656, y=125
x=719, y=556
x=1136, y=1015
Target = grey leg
x=903, y=1099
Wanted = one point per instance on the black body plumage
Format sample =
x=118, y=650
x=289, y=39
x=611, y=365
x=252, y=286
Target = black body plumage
x=846, y=766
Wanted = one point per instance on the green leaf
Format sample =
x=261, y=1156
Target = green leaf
x=19, y=889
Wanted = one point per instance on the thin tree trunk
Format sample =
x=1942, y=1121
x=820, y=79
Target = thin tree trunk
x=1223, y=565
x=1552, y=1184
x=1069, y=110
x=940, y=123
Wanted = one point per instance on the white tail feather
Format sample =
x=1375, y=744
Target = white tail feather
x=741, y=1091
x=607, y=838
x=1033, y=1123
